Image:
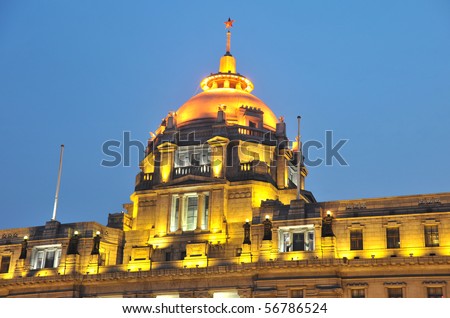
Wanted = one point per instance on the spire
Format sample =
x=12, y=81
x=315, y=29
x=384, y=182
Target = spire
x=228, y=43
x=299, y=159
x=227, y=62
x=227, y=77
x=228, y=26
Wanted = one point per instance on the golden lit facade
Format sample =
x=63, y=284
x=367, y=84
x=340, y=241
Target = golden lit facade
x=217, y=212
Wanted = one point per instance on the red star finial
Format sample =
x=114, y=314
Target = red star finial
x=229, y=23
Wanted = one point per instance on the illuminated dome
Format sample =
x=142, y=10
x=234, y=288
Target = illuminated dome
x=205, y=105
x=229, y=92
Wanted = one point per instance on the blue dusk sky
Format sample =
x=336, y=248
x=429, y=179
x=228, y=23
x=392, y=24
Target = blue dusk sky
x=80, y=73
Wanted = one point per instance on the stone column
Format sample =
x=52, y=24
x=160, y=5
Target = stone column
x=200, y=211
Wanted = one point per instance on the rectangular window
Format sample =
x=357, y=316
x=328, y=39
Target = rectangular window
x=435, y=292
x=185, y=209
x=4, y=266
x=396, y=292
x=296, y=293
x=359, y=293
x=205, y=216
x=49, y=259
x=190, y=215
x=356, y=240
x=393, y=237
x=195, y=159
x=298, y=241
x=431, y=236
x=40, y=256
x=296, y=238
x=192, y=156
x=174, y=214
x=47, y=256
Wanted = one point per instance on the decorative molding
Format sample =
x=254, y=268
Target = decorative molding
x=396, y=284
x=356, y=206
x=430, y=222
x=438, y=283
x=9, y=235
x=145, y=203
x=427, y=201
x=240, y=194
x=357, y=285
x=392, y=224
x=356, y=226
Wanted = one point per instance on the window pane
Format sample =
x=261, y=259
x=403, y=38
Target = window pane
x=174, y=214
x=296, y=238
x=46, y=256
x=431, y=236
x=297, y=293
x=205, y=219
x=356, y=240
x=393, y=237
x=191, y=214
x=286, y=242
x=39, y=260
x=395, y=292
x=435, y=292
x=5, y=261
x=57, y=258
x=358, y=293
x=49, y=259
x=298, y=241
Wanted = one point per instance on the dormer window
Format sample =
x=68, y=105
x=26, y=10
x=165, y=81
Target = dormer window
x=188, y=156
x=46, y=256
x=296, y=238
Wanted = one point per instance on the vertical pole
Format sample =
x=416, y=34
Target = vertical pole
x=228, y=41
x=299, y=159
x=58, y=183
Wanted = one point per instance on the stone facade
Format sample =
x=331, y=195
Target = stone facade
x=220, y=209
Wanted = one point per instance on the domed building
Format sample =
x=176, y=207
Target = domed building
x=220, y=209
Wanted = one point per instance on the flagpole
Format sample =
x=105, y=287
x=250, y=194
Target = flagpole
x=299, y=159
x=55, y=206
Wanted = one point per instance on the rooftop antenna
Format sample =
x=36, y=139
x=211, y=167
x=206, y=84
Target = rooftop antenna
x=55, y=207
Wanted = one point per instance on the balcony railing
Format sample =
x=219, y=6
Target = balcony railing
x=255, y=170
x=258, y=167
x=238, y=130
x=203, y=170
x=144, y=181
